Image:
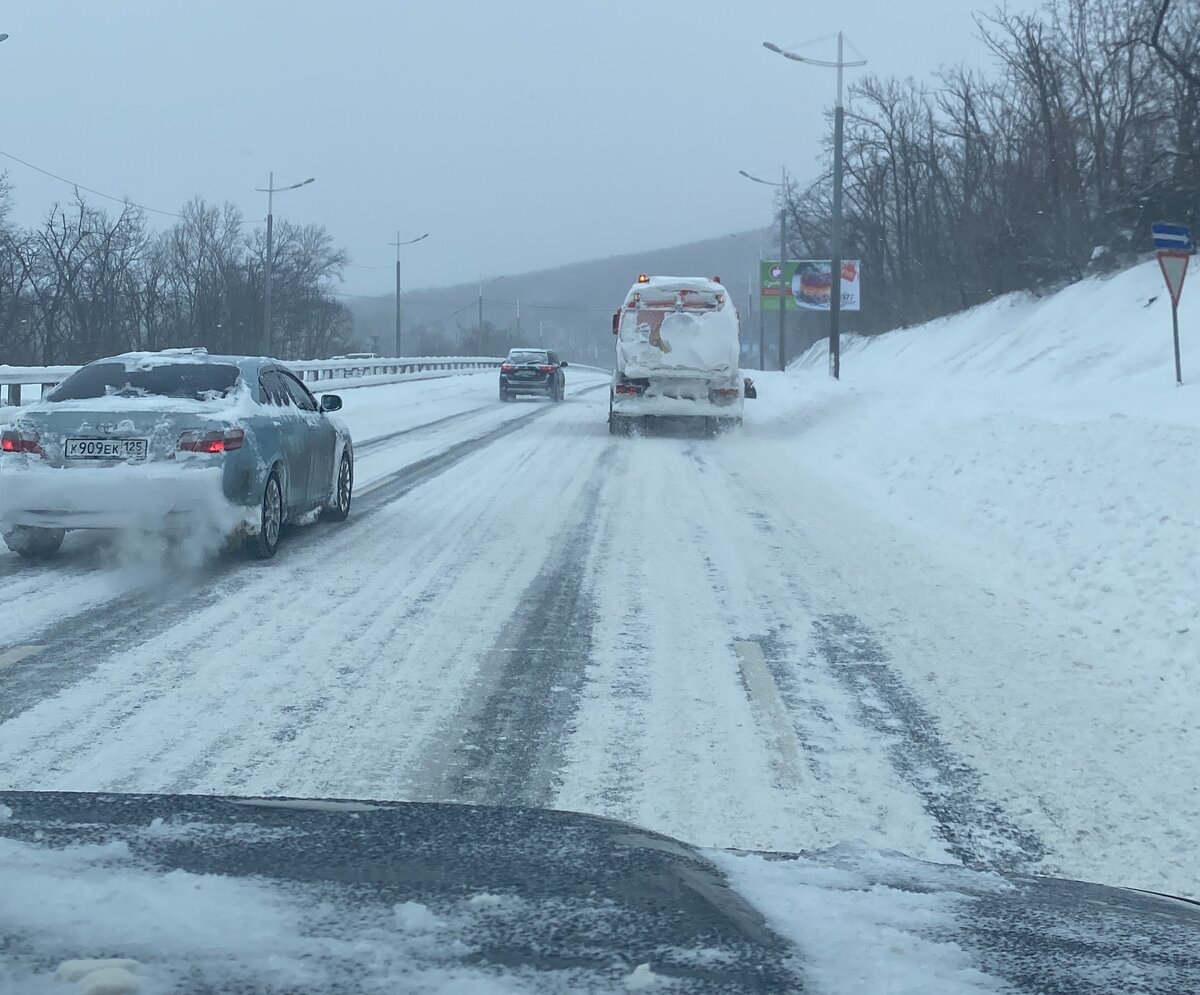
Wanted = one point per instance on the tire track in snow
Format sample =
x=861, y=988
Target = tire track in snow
x=517, y=723
x=349, y=709
x=77, y=644
x=976, y=829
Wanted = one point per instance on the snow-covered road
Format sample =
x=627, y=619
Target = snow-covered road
x=723, y=640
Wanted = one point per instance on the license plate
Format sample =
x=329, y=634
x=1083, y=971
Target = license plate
x=526, y=373
x=111, y=449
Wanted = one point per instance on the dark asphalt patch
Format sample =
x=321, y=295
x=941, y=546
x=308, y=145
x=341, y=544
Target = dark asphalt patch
x=975, y=828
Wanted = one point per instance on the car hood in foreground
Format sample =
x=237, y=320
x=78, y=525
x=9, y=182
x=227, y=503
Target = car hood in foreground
x=239, y=895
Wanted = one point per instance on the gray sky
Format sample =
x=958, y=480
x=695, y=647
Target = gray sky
x=520, y=134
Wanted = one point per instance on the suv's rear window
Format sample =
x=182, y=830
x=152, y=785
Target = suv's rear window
x=195, y=381
x=527, y=356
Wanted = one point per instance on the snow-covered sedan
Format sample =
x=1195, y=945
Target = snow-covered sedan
x=176, y=440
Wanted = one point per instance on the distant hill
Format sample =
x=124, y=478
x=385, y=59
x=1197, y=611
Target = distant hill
x=569, y=306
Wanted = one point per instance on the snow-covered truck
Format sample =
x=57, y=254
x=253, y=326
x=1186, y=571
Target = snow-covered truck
x=677, y=355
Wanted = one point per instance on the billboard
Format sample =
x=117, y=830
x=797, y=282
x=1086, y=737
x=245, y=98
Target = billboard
x=805, y=284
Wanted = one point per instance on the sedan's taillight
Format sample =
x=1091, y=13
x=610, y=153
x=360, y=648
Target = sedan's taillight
x=212, y=442
x=506, y=367
x=13, y=441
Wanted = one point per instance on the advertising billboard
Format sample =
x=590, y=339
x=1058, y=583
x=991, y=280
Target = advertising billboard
x=806, y=283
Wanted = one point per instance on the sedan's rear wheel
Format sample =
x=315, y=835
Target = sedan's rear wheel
x=34, y=543
x=340, y=509
x=266, y=542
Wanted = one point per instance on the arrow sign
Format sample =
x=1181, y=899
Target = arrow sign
x=1171, y=236
x=1174, y=269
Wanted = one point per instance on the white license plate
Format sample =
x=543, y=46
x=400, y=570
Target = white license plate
x=110, y=449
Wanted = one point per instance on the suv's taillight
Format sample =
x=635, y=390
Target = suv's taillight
x=545, y=369
x=506, y=367
x=212, y=442
x=628, y=388
x=13, y=441
x=724, y=392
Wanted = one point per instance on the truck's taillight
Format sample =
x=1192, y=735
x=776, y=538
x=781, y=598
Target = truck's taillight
x=212, y=442
x=21, y=442
x=627, y=388
x=506, y=367
x=545, y=369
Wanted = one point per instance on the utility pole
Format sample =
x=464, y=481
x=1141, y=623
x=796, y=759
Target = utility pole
x=518, y=321
x=835, y=261
x=835, y=249
x=398, y=244
x=783, y=254
x=268, y=266
x=480, y=345
x=269, y=263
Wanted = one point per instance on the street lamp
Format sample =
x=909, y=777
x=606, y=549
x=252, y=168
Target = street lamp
x=835, y=249
x=756, y=278
x=782, y=185
x=398, y=244
x=494, y=279
x=270, y=190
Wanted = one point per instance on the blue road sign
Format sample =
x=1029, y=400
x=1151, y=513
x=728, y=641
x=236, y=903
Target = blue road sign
x=1168, y=236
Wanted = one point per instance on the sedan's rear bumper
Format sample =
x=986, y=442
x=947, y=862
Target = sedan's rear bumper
x=518, y=387
x=128, y=497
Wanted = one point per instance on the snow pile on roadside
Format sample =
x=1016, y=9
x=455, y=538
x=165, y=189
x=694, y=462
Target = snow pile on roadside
x=1041, y=449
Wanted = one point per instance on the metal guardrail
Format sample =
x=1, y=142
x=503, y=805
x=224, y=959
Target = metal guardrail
x=14, y=379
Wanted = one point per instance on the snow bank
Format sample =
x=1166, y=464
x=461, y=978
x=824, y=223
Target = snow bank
x=1041, y=450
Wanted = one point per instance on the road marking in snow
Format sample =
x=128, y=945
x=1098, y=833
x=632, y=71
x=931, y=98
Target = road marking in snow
x=15, y=654
x=764, y=696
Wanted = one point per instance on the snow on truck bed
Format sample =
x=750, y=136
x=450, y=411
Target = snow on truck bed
x=660, y=342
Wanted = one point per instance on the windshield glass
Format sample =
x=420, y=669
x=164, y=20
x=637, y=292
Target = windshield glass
x=849, y=497
x=194, y=381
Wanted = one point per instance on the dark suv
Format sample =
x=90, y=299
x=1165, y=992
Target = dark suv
x=532, y=371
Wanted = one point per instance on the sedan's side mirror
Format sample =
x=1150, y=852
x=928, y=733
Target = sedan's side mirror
x=331, y=402
x=563, y=364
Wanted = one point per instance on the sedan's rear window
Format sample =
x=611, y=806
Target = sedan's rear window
x=194, y=381
x=526, y=356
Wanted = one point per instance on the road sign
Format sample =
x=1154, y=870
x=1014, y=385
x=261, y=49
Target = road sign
x=1171, y=236
x=1174, y=266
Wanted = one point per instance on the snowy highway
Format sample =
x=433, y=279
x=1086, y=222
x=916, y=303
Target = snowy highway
x=719, y=639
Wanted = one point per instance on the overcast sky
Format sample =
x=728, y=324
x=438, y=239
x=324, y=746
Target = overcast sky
x=521, y=134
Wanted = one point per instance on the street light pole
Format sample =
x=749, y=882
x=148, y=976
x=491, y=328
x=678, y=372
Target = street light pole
x=270, y=190
x=783, y=254
x=398, y=244
x=835, y=249
x=782, y=186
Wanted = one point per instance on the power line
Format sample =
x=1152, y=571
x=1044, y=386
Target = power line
x=80, y=186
